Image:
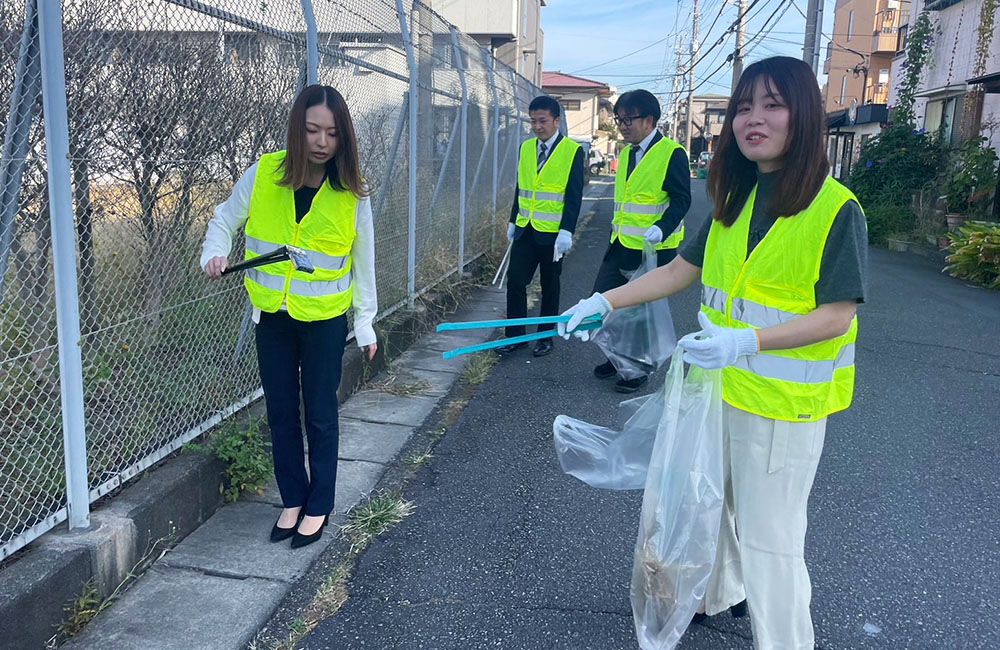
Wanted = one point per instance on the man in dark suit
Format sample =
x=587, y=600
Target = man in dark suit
x=546, y=207
x=652, y=195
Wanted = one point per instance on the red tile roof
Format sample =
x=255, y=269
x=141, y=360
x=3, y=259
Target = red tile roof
x=562, y=80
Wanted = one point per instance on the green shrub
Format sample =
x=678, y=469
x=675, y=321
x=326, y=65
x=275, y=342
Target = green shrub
x=972, y=177
x=248, y=460
x=893, y=164
x=975, y=253
x=885, y=220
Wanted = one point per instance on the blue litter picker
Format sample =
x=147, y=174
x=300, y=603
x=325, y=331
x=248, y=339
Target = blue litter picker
x=592, y=323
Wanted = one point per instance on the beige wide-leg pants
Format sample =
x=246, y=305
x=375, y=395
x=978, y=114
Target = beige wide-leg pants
x=769, y=471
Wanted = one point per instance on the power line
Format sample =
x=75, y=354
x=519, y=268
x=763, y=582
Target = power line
x=729, y=30
x=645, y=47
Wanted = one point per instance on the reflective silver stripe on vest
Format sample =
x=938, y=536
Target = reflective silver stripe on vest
x=541, y=216
x=798, y=371
x=635, y=208
x=714, y=298
x=759, y=315
x=315, y=289
x=746, y=311
x=319, y=260
x=628, y=231
x=541, y=196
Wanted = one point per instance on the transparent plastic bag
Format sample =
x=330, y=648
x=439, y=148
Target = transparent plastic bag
x=637, y=340
x=609, y=459
x=681, y=508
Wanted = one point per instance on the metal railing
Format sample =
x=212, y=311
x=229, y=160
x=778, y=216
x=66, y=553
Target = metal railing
x=114, y=347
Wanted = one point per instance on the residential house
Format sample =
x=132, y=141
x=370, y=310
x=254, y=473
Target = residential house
x=858, y=64
x=945, y=100
x=581, y=100
x=706, y=122
x=510, y=29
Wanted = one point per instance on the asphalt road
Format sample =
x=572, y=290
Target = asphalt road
x=505, y=551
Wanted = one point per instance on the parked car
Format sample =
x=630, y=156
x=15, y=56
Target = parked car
x=586, y=156
x=596, y=162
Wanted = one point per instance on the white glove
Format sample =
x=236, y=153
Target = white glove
x=717, y=347
x=564, y=242
x=653, y=235
x=510, y=232
x=596, y=304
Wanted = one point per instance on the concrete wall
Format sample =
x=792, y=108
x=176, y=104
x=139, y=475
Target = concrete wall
x=510, y=27
x=497, y=18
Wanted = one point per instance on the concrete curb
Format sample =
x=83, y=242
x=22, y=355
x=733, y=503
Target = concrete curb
x=174, y=499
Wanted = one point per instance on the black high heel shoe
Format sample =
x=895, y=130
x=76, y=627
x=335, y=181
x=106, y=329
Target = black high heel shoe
x=299, y=540
x=279, y=534
x=739, y=610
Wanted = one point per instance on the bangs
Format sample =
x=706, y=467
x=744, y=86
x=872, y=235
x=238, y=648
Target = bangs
x=747, y=83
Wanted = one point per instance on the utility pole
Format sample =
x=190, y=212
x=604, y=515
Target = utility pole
x=809, y=45
x=814, y=29
x=817, y=37
x=694, y=57
x=741, y=32
x=676, y=85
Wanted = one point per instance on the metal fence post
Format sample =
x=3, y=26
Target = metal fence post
x=496, y=144
x=463, y=113
x=64, y=261
x=411, y=244
x=312, y=42
x=15, y=143
x=391, y=162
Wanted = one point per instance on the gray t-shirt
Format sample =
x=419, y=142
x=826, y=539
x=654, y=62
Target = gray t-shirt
x=843, y=272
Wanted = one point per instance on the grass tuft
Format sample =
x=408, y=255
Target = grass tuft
x=374, y=516
x=479, y=367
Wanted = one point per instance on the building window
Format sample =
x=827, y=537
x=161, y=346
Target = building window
x=850, y=25
x=570, y=104
x=843, y=90
x=883, y=76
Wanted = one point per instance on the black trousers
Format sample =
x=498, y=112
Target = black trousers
x=619, y=263
x=296, y=356
x=526, y=255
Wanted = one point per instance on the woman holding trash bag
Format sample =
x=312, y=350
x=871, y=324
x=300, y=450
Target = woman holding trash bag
x=783, y=264
x=311, y=196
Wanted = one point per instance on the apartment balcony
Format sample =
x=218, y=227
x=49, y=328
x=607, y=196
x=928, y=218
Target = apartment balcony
x=877, y=93
x=829, y=56
x=885, y=38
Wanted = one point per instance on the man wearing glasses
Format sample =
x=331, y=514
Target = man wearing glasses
x=652, y=195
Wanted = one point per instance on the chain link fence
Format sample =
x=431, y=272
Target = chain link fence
x=168, y=102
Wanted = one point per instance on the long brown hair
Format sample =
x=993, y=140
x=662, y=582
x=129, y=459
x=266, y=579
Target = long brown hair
x=343, y=170
x=732, y=176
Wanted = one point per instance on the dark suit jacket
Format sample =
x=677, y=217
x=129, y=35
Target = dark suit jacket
x=571, y=204
x=676, y=183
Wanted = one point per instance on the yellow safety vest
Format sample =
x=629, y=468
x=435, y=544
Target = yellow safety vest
x=640, y=200
x=776, y=284
x=542, y=194
x=326, y=234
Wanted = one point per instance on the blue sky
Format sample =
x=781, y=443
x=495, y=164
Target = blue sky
x=583, y=36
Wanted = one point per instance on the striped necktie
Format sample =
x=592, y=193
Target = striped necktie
x=541, y=155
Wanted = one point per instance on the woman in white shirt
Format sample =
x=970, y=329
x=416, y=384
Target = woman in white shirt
x=311, y=196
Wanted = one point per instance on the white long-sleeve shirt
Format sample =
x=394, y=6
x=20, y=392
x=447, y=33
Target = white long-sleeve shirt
x=231, y=215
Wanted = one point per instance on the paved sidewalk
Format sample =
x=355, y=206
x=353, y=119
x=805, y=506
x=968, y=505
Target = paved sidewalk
x=219, y=586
